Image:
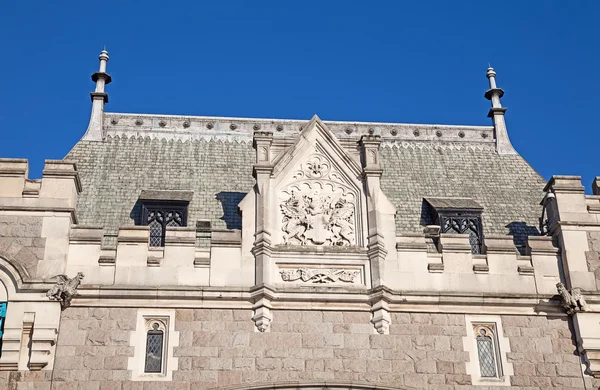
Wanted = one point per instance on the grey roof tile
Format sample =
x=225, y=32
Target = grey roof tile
x=219, y=173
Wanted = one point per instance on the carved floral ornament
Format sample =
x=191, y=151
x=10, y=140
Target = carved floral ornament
x=319, y=276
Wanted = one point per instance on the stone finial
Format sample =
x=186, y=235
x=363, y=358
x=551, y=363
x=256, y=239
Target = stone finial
x=573, y=301
x=65, y=289
x=99, y=98
x=503, y=145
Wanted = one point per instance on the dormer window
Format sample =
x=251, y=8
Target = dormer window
x=459, y=216
x=161, y=209
x=159, y=215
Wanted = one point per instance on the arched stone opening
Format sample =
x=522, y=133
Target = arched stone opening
x=313, y=385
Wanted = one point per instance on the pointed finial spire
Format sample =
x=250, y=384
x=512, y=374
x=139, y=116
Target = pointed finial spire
x=99, y=98
x=503, y=145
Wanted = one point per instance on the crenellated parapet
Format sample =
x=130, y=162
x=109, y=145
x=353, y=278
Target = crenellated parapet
x=572, y=219
x=36, y=215
x=446, y=264
x=180, y=262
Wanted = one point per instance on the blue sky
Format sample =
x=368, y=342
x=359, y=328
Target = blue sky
x=396, y=61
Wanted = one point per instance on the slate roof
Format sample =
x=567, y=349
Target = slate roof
x=213, y=157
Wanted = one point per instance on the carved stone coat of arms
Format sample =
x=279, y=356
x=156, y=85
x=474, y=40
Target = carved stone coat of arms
x=318, y=220
x=318, y=207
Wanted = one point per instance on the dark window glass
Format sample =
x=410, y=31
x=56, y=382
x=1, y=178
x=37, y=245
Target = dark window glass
x=159, y=215
x=154, y=349
x=487, y=356
x=464, y=224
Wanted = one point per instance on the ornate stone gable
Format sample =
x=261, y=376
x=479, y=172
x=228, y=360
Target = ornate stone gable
x=318, y=207
x=318, y=199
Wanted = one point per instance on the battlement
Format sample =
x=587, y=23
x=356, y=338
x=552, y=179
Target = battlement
x=574, y=219
x=56, y=190
x=445, y=264
x=132, y=261
x=36, y=215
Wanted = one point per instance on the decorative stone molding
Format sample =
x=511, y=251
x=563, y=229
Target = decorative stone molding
x=381, y=317
x=65, y=289
x=166, y=323
x=318, y=207
x=263, y=314
x=493, y=326
x=42, y=341
x=118, y=123
x=316, y=219
x=319, y=275
x=572, y=300
x=588, y=340
x=11, y=348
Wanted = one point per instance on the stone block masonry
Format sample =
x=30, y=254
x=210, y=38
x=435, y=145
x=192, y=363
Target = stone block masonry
x=21, y=240
x=221, y=348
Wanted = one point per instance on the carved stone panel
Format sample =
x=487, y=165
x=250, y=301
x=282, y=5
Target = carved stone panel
x=318, y=208
x=319, y=275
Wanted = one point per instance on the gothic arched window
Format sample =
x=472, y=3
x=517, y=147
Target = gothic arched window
x=487, y=351
x=464, y=224
x=155, y=338
x=458, y=216
x=160, y=214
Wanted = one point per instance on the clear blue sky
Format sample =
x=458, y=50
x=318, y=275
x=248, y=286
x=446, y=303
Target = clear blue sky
x=396, y=61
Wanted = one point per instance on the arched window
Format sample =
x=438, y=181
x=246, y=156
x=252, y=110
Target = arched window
x=155, y=337
x=487, y=351
x=154, y=340
x=160, y=214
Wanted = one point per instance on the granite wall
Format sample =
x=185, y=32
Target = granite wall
x=21, y=240
x=219, y=348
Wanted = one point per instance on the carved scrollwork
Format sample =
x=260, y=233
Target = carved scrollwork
x=319, y=276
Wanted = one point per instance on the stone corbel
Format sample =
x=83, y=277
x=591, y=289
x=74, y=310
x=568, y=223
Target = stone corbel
x=588, y=340
x=42, y=341
x=262, y=308
x=263, y=314
x=381, y=317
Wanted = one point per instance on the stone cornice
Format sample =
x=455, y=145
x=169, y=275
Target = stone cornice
x=241, y=129
x=322, y=298
x=39, y=205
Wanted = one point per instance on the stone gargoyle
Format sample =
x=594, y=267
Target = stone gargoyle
x=572, y=301
x=65, y=289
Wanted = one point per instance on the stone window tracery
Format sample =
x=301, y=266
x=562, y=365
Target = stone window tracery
x=157, y=215
x=458, y=216
x=459, y=223
x=487, y=351
x=488, y=348
x=154, y=347
x=154, y=340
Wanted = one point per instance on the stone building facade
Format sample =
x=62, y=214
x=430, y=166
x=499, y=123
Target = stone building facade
x=181, y=252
